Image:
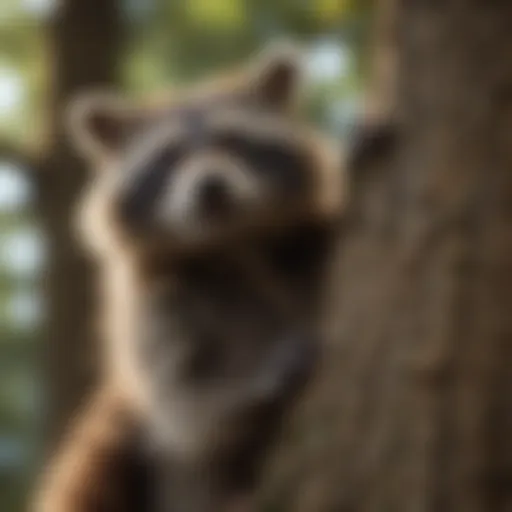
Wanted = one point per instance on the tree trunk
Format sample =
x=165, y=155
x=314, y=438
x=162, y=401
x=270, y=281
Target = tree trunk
x=85, y=36
x=413, y=411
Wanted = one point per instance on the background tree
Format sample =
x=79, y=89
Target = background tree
x=76, y=47
x=85, y=43
x=413, y=408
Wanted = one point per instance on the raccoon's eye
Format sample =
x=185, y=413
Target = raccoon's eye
x=285, y=165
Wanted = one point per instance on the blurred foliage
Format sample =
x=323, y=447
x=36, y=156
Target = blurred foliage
x=167, y=42
x=178, y=41
x=23, y=72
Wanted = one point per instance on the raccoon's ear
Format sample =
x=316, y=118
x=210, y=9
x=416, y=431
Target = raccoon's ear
x=277, y=76
x=99, y=123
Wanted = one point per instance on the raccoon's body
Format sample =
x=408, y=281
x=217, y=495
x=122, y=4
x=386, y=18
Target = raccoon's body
x=212, y=219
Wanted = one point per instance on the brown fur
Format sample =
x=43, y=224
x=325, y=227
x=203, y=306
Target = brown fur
x=98, y=462
x=104, y=464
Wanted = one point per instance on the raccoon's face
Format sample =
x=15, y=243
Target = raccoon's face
x=230, y=159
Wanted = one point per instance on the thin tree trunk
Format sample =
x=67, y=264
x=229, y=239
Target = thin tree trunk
x=413, y=411
x=85, y=36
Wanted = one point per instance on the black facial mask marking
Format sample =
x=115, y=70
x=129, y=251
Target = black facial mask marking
x=284, y=166
x=143, y=191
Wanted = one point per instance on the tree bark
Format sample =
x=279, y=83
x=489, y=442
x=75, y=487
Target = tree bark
x=85, y=37
x=413, y=410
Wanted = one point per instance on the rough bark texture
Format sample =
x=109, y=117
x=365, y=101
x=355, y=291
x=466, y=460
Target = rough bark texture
x=85, y=48
x=413, y=410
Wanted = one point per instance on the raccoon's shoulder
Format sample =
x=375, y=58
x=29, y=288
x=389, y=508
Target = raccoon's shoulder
x=101, y=466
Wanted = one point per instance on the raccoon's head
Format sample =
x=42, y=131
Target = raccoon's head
x=230, y=158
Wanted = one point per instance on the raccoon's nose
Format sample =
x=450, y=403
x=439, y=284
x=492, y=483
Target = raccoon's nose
x=214, y=195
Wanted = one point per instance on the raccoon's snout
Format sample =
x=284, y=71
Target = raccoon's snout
x=215, y=196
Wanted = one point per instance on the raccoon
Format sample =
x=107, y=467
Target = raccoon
x=212, y=214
